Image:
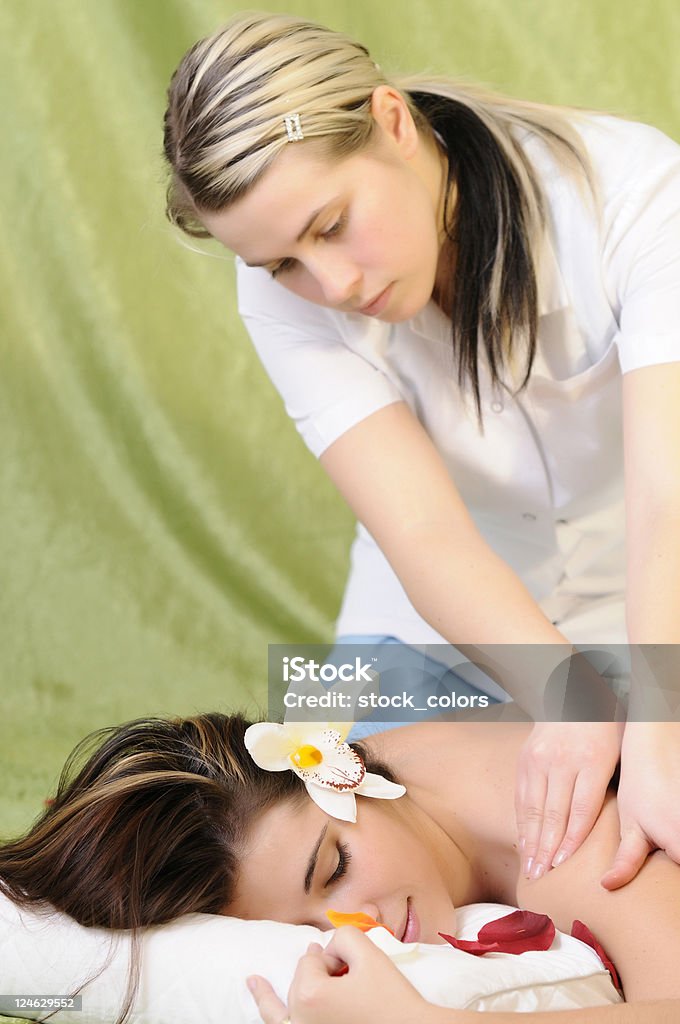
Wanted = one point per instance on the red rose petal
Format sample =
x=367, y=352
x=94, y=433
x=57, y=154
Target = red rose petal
x=581, y=931
x=476, y=948
x=519, y=925
x=518, y=932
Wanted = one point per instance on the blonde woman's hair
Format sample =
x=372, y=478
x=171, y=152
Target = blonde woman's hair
x=224, y=127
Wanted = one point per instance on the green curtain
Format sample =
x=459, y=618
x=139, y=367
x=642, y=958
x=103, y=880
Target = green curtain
x=160, y=520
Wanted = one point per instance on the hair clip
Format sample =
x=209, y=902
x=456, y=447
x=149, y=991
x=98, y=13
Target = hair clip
x=293, y=127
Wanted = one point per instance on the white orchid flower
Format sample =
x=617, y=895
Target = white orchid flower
x=317, y=752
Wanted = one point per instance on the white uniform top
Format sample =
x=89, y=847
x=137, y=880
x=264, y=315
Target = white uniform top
x=545, y=483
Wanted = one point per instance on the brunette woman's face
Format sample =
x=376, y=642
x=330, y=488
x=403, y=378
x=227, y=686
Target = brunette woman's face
x=342, y=234
x=392, y=864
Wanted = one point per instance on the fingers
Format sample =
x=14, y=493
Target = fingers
x=633, y=850
x=532, y=788
x=550, y=823
x=349, y=944
x=563, y=771
x=316, y=985
x=269, y=1006
x=315, y=966
x=332, y=964
x=309, y=991
x=554, y=828
x=578, y=808
x=590, y=790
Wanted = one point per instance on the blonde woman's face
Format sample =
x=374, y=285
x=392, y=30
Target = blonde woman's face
x=344, y=234
x=401, y=871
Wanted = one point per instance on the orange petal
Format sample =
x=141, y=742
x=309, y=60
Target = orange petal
x=361, y=921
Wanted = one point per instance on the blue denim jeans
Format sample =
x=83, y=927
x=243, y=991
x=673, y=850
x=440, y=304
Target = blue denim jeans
x=413, y=671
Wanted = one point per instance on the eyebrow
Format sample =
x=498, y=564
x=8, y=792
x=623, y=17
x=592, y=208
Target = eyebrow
x=312, y=860
x=302, y=233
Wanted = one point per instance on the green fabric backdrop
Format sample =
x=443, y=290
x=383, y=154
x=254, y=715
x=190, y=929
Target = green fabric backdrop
x=160, y=521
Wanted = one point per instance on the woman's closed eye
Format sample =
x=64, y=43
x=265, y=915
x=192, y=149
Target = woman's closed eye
x=336, y=228
x=332, y=232
x=344, y=857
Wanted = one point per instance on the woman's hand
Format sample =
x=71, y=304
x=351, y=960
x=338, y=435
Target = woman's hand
x=648, y=798
x=562, y=776
x=372, y=990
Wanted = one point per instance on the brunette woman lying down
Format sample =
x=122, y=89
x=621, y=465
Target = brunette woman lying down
x=172, y=817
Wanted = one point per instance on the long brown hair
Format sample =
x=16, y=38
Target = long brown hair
x=224, y=127
x=151, y=827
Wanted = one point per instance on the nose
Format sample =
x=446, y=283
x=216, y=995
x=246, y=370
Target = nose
x=339, y=279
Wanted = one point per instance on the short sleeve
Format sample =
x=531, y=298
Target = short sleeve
x=642, y=251
x=325, y=385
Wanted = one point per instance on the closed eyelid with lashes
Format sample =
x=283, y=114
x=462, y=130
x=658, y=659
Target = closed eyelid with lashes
x=344, y=857
x=332, y=232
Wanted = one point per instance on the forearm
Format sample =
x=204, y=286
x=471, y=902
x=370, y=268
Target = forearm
x=470, y=596
x=666, y=1011
x=398, y=486
x=464, y=589
x=653, y=614
x=653, y=571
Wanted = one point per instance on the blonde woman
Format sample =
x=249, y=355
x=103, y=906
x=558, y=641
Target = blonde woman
x=470, y=306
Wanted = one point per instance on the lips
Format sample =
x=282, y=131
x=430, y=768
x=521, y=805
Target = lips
x=376, y=304
x=411, y=932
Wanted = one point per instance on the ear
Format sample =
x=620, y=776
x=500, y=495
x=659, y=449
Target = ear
x=390, y=110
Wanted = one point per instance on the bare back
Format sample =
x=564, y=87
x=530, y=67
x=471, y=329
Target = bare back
x=463, y=775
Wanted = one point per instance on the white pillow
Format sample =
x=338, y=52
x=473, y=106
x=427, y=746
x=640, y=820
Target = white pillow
x=194, y=969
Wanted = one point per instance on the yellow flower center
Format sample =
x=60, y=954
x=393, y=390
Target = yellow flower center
x=306, y=756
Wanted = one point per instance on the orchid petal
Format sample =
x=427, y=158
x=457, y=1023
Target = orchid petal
x=321, y=735
x=337, y=805
x=342, y=729
x=270, y=745
x=397, y=951
x=341, y=769
x=316, y=734
x=376, y=785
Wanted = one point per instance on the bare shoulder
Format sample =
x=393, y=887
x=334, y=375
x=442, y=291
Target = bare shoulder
x=441, y=752
x=463, y=775
x=638, y=925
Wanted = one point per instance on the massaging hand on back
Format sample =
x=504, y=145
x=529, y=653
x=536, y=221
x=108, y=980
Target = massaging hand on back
x=649, y=808
x=562, y=775
x=563, y=771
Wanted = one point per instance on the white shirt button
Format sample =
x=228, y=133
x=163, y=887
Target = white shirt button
x=497, y=406
x=528, y=515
